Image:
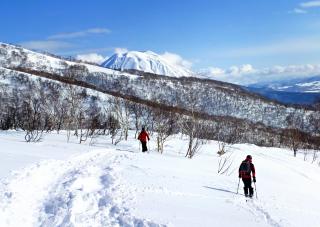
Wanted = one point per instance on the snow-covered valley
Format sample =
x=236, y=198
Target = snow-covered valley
x=55, y=183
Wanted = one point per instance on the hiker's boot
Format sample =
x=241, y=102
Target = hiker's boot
x=251, y=192
x=245, y=191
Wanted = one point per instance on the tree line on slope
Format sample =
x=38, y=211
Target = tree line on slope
x=41, y=105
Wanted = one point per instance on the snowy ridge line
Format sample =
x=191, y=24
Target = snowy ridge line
x=36, y=60
x=152, y=104
x=84, y=191
x=216, y=83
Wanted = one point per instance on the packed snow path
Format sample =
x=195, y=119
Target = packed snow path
x=84, y=191
x=119, y=186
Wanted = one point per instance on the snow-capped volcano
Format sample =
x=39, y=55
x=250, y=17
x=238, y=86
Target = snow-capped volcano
x=146, y=61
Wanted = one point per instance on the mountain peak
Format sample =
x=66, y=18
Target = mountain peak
x=145, y=61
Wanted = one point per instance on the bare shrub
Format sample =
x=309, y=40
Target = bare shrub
x=224, y=164
x=314, y=156
x=222, y=148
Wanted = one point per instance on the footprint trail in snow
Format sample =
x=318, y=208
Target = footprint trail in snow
x=84, y=191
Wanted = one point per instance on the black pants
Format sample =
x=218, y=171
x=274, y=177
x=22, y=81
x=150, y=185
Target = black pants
x=144, y=146
x=247, y=186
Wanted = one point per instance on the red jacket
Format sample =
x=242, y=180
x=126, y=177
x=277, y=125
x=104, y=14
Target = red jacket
x=245, y=175
x=143, y=136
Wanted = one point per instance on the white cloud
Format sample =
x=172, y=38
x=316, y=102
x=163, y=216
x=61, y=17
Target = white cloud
x=240, y=70
x=120, y=50
x=176, y=59
x=98, y=30
x=216, y=72
x=46, y=45
x=292, y=70
x=305, y=5
x=310, y=4
x=247, y=74
x=91, y=57
x=233, y=74
x=298, y=11
x=83, y=33
x=54, y=43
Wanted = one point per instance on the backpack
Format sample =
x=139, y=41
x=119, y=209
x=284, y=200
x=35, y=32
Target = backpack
x=245, y=168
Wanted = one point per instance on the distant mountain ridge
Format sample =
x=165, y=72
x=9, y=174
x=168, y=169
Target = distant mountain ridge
x=145, y=61
x=293, y=91
x=310, y=84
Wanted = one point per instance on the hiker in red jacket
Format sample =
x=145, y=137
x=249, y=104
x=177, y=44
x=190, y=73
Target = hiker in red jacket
x=245, y=170
x=143, y=136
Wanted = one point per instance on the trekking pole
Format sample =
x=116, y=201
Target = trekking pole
x=255, y=187
x=139, y=146
x=238, y=186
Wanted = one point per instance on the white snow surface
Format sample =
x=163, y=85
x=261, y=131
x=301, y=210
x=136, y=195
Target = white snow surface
x=55, y=183
x=146, y=61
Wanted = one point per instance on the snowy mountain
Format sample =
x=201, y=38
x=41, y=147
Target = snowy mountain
x=27, y=74
x=147, y=61
x=295, y=91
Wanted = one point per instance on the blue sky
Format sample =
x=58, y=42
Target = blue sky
x=227, y=37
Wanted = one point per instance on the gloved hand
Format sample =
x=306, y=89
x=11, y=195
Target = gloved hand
x=254, y=179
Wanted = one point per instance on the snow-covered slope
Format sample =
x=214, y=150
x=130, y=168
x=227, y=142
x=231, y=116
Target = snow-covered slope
x=212, y=97
x=147, y=61
x=14, y=56
x=109, y=185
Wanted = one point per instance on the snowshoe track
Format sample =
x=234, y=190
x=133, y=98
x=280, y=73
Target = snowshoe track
x=258, y=211
x=84, y=191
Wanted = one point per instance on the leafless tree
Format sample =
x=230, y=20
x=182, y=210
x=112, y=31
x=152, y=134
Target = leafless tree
x=136, y=110
x=74, y=103
x=191, y=125
x=305, y=154
x=114, y=130
x=76, y=71
x=293, y=133
x=163, y=125
x=33, y=122
x=121, y=109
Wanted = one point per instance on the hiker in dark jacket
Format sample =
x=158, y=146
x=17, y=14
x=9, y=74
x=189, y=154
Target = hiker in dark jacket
x=143, y=137
x=245, y=170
